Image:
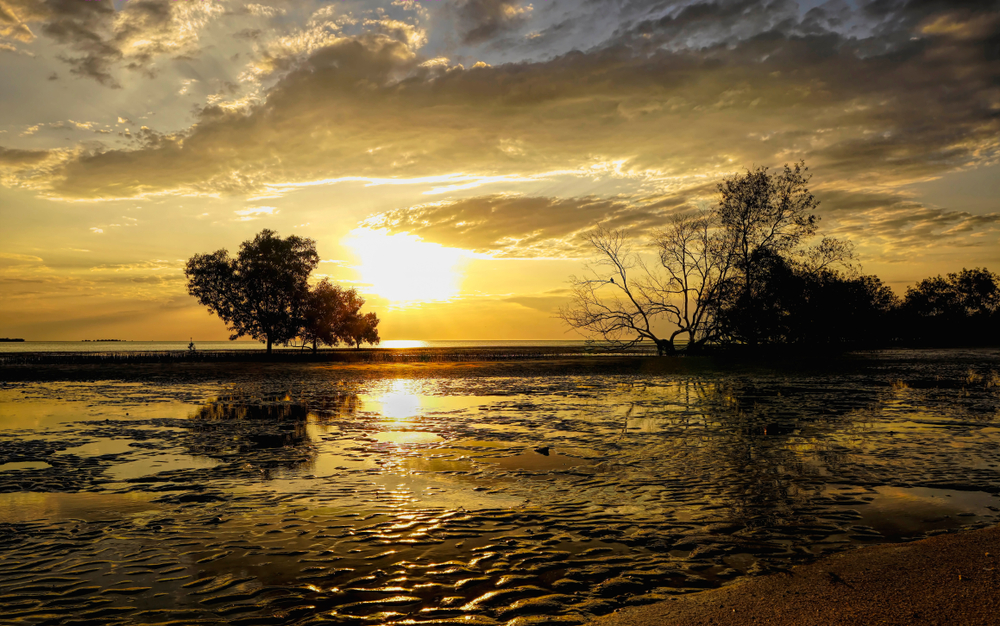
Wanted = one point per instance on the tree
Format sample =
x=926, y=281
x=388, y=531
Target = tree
x=262, y=292
x=333, y=315
x=728, y=274
x=963, y=307
x=362, y=329
x=620, y=311
x=324, y=315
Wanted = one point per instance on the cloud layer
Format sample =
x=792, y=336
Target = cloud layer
x=706, y=88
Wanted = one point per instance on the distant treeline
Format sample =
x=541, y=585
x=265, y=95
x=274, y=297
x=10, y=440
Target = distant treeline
x=827, y=308
x=9, y=340
x=376, y=356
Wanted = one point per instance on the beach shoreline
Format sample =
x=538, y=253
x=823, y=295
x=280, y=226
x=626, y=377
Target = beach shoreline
x=944, y=579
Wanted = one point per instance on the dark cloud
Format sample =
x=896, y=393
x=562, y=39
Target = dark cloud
x=100, y=39
x=483, y=20
x=11, y=158
x=893, y=226
x=370, y=105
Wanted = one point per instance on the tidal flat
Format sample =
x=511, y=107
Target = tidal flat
x=504, y=492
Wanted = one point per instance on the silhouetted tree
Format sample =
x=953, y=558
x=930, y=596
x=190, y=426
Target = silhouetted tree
x=790, y=304
x=332, y=315
x=324, y=315
x=735, y=274
x=360, y=329
x=963, y=307
x=262, y=292
x=765, y=219
x=619, y=304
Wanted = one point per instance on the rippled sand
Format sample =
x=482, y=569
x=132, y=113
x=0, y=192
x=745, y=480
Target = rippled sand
x=519, y=493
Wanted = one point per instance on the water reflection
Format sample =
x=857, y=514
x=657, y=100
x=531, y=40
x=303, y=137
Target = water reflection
x=399, y=402
x=266, y=430
x=430, y=499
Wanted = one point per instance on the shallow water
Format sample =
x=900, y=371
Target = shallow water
x=317, y=495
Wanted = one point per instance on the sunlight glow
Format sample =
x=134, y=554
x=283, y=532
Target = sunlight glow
x=398, y=403
x=403, y=343
x=402, y=268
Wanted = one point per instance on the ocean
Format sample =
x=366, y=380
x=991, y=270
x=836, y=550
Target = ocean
x=158, y=346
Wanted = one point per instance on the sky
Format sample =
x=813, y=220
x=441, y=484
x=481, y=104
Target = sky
x=450, y=157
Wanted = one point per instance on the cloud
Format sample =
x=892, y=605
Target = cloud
x=9, y=259
x=253, y=213
x=483, y=20
x=892, y=226
x=260, y=10
x=154, y=265
x=99, y=38
x=699, y=91
x=513, y=226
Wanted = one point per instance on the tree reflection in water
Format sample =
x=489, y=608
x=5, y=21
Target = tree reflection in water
x=765, y=449
x=264, y=431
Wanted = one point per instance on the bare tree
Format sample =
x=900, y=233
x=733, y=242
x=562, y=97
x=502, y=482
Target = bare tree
x=697, y=257
x=716, y=270
x=612, y=302
x=623, y=297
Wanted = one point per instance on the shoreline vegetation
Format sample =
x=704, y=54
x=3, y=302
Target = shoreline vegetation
x=744, y=273
x=460, y=354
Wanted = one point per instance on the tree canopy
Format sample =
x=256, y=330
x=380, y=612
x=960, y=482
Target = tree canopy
x=962, y=307
x=264, y=293
x=333, y=315
x=738, y=273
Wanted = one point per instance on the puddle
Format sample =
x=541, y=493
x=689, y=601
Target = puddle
x=36, y=507
x=24, y=465
x=898, y=512
x=156, y=464
x=533, y=461
x=102, y=447
x=402, y=437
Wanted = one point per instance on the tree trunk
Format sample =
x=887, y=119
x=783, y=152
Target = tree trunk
x=269, y=343
x=314, y=346
x=664, y=347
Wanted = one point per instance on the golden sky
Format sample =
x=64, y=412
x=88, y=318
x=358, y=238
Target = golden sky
x=450, y=156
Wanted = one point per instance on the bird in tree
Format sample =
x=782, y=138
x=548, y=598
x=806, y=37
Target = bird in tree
x=262, y=293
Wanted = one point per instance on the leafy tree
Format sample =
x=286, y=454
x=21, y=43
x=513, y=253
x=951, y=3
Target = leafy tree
x=766, y=218
x=332, y=315
x=962, y=307
x=362, y=329
x=324, y=315
x=262, y=292
x=729, y=274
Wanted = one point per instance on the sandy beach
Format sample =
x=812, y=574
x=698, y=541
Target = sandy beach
x=946, y=580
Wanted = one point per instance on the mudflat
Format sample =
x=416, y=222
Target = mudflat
x=490, y=491
x=947, y=579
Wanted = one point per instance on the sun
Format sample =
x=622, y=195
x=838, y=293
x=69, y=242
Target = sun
x=402, y=268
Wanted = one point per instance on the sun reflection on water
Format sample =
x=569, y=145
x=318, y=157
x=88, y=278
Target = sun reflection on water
x=399, y=402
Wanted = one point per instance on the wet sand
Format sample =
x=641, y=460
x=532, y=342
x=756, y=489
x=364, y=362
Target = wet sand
x=513, y=492
x=948, y=579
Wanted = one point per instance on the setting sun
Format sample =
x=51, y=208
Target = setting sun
x=403, y=268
